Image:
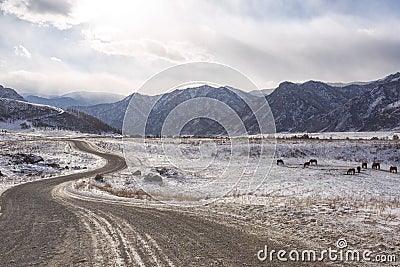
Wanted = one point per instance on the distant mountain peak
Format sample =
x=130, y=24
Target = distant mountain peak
x=9, y=93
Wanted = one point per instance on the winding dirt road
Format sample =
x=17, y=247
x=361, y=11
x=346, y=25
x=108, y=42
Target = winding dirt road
x=43, y=225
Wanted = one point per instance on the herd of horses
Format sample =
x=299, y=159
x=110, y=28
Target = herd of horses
x=351, y=171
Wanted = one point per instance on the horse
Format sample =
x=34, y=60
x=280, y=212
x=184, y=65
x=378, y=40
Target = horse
x=376, y=166
x=306, y=164
x=313, y=162
x=393, y=169
x=364, y=165
x=358, y=169
x=280, y=162
x=351, y=171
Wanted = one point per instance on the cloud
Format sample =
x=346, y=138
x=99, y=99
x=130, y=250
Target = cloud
x=57, y=13
x=62, y=7
x=145, y=49
x=270, y=41
x=56, y=59
x=21, y=51
x=54, y=82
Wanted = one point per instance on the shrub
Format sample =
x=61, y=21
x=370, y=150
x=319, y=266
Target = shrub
x=305, y=136
x=99, y=178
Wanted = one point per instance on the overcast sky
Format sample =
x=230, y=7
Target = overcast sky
x=54, y=46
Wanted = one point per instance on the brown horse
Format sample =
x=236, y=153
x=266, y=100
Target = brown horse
x=351, y=171
x=376, y=165
x=364, y=165
x=306, y=164
x=280, y=162
x=393, y=169
x=313, y=162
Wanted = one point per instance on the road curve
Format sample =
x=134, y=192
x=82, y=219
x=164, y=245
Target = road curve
x=41, y=225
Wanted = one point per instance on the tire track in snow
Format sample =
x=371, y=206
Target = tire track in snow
x=146, y=244
x=126, y=245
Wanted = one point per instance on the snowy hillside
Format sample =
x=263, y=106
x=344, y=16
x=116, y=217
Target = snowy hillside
x=18, y=114
x=9, y=93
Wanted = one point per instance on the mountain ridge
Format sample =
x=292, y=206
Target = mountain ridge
x=299, y=107
x=312, y=106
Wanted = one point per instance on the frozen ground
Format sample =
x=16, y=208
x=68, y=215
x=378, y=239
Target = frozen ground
x=23, y=161
x=315, y=205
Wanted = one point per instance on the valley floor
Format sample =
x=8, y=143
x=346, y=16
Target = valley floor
x=310, y=207
x=314, y=206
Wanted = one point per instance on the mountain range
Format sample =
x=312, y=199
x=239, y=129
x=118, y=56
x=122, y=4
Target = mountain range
x=312, y=106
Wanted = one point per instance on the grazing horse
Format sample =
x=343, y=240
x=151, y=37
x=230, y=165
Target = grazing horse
x=280, y=162
x=376, y=166
x=393, y=169
x=306, y=164
x=358, y=169
x=364, y=165
x=351, y=171
x=313, y=162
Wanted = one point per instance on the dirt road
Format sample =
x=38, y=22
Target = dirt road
x=42, y=225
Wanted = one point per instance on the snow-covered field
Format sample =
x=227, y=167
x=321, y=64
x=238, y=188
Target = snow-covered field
x=315, y=205
x=12, y=131
x=25, y=158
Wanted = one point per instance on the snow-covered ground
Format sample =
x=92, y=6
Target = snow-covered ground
x=50, y=158
x=13, y=131
x=315, y=205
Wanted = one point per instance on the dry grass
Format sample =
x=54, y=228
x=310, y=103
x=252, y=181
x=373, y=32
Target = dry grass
x=138, y=194
x=106, y=187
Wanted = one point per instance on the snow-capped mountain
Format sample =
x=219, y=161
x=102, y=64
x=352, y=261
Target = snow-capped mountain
x=312, y=106
x=14, y=110
x=201, y=126
x=161, y=105
x=377, y=109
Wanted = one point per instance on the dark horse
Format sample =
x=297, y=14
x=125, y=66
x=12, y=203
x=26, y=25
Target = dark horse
x=364, y=165
x=351, y=171
x=306, y=164
x=376, y=166
x=358, y=169
x=280, y=162
x=313, y=162
x=393, y=169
